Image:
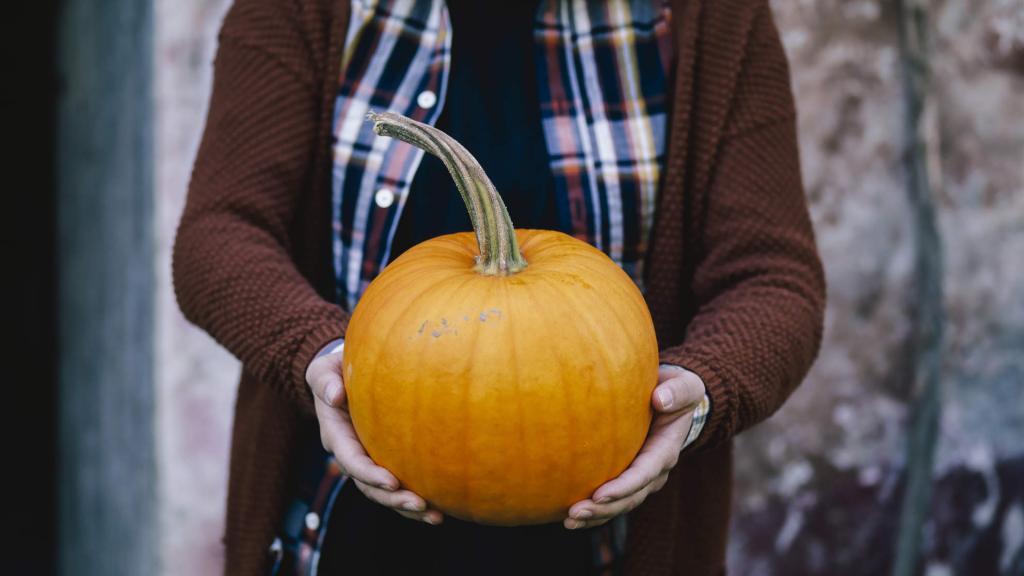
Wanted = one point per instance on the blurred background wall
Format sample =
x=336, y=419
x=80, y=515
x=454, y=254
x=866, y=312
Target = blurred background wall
x=196, y=378
x=819, y=486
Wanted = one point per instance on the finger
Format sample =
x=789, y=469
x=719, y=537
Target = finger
x=588, y=510
x=332, y=389
x=432, y=517
x=339, y=438
x=659, y=482
x=641, y=473
x=659, y=454
x=404, y=502
x=397, y=499
x=617, y=507
x=603, y=513
x=324, y=378
x=354, y=462
x=678, y=389
x=582, y=510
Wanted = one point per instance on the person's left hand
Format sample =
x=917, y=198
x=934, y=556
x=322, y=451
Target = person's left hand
x=677, y=394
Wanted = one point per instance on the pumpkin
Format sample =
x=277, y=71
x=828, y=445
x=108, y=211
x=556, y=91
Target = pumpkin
x=503, y=375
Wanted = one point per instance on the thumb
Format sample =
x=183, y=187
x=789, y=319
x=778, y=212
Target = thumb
x=324, y=379
x=678, y=389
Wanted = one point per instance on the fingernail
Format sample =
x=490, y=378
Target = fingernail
x=665, y=397
x=431, y=520
x=387, y=486
x=413, y=506
x=573, y=524
x=604, y=500
x=583, y=514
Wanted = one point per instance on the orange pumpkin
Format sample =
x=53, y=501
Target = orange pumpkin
x=504, y=375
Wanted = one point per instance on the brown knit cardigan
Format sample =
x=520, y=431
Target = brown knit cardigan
x=735, y=284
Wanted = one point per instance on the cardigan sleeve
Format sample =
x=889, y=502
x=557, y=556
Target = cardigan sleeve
x=757, y=276
x=233, y=272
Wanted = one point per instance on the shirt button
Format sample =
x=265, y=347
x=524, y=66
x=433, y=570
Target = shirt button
x=312, y=521
x=384, y=197
x=426, y=99
x=276, y=547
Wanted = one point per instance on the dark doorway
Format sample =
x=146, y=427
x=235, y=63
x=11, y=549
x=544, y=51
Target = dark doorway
x=28, y=149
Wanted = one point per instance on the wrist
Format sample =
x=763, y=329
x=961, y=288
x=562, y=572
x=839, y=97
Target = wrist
x=700, y=412
x=697, y=420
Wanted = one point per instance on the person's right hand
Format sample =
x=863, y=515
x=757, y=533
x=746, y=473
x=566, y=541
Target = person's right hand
x=339, y=438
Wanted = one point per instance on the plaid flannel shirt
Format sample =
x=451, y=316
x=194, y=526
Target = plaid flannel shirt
x=603, y=70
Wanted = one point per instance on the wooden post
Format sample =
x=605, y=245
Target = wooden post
x=920, y=160
x=106, y=463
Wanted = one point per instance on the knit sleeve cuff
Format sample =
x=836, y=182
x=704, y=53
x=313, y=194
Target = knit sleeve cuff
x=314, y=343
x=714, y=428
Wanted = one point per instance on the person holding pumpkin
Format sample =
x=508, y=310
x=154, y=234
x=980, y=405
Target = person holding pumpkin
x=661, y=133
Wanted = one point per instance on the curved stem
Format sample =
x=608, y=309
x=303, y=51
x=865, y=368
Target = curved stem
x=495, y=235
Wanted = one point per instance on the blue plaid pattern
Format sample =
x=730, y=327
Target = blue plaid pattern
x=393, y=52
x=603, y=69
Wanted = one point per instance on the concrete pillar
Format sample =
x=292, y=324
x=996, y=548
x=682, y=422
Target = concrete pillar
x=106, y=464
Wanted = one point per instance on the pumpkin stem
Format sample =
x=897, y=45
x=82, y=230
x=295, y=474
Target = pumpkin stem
x=495, y=235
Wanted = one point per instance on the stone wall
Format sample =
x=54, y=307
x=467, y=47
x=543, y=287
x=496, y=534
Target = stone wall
x=818, y=485
x=195, y=378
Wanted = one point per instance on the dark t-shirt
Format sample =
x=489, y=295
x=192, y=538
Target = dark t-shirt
x=492, y=108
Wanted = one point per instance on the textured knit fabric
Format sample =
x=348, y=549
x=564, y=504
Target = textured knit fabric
x=732, y=275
